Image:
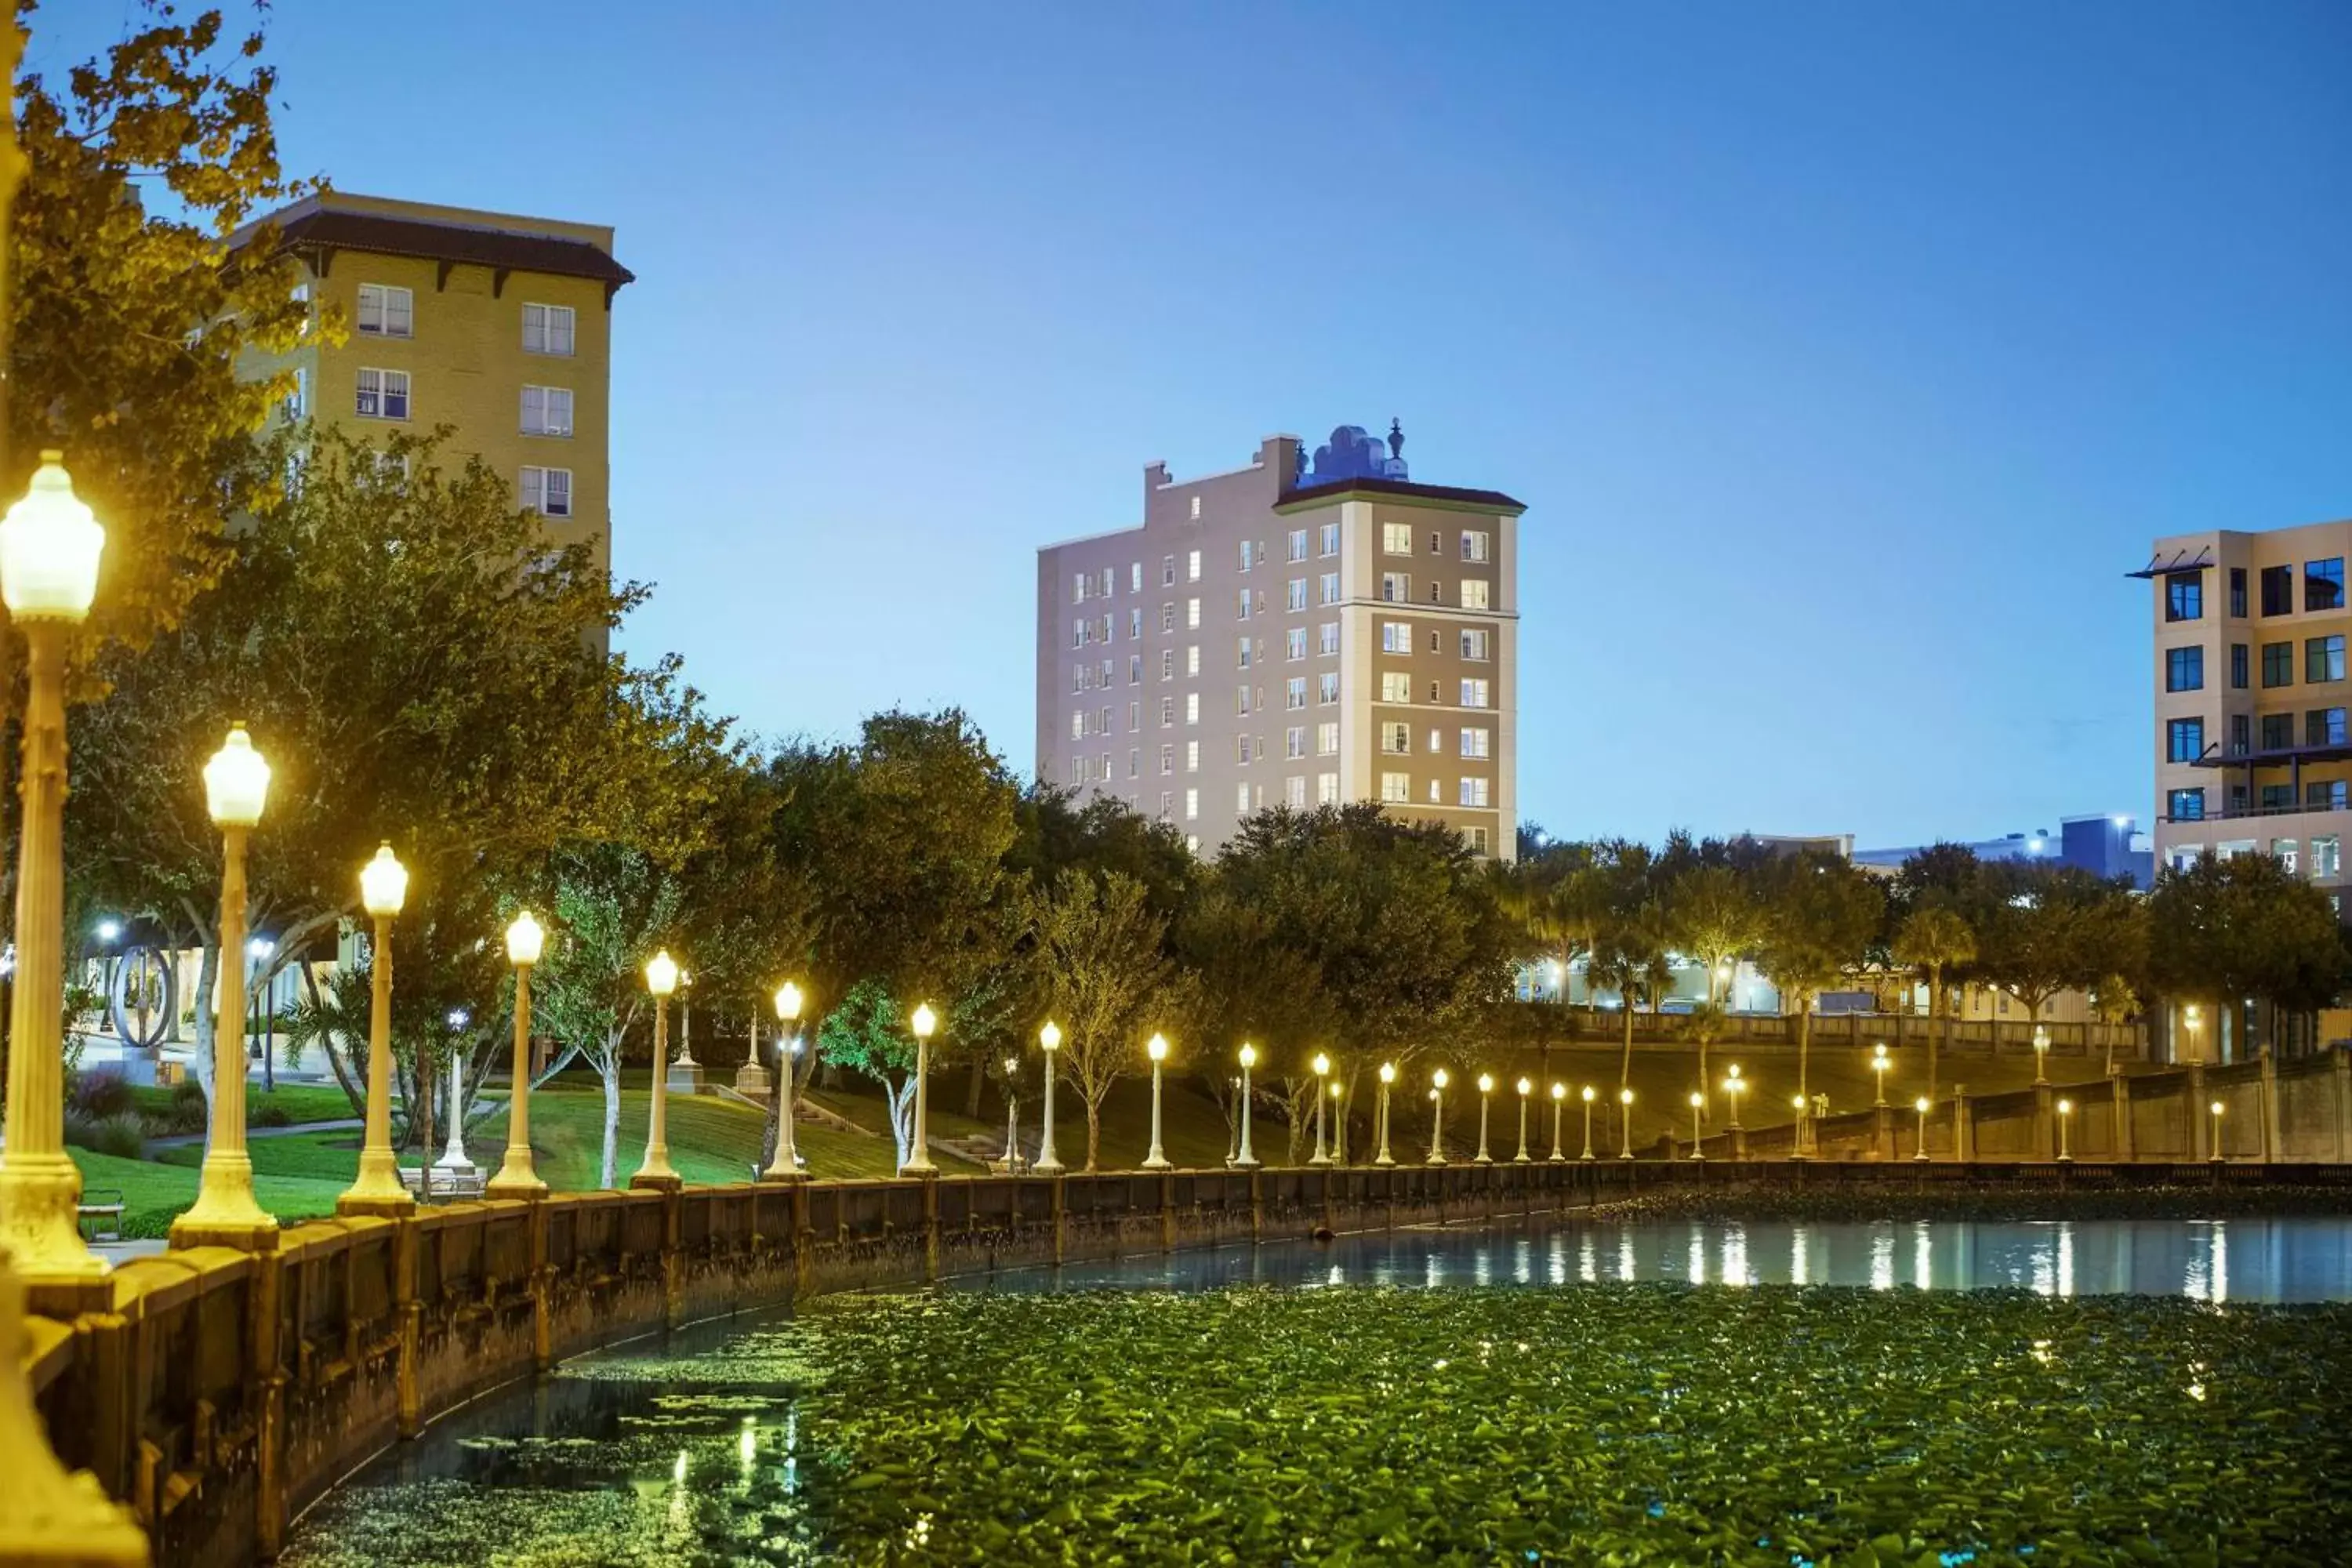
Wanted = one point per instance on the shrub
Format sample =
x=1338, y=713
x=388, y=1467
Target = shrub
x=98, y=1095
x=273, y=1116
x=82, y=1132
x=123, y=1135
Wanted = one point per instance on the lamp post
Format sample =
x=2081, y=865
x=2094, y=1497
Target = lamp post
x=1921, y=1106
x=1388, y=1076
x=454, y=1161
x=1156, y=1048
x=2066, y=1115
x=1558, y=1100
x=1698, y=1150
x=1733, y=1086
x=1590, y=1094
x=1624, y=1123
x=918, y=1160
x=1879, y=1064
x=1011, y=1113
x=237, y=786
x=1050, y=1037
x=1486, y=1095
x=49, y=548
x=517, y=1177
x=1437, y=1119
x=784, y=1164
x=661, y=980
x=2040, y=1054
x=1338, y=1121
x=383, y=887
x=1244, y=1160
x=1322, y=1066
x=2191, y=1016
x=2215, y=1108
x=1525, y=1088
x=1797, y=1150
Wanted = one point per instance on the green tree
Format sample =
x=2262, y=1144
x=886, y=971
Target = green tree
x=1715, y=920
x=1108, y=980
x=1245, y=985
x=2224, y=931
x=1933, y=939
x=1703, y=1025
x=1821, y=913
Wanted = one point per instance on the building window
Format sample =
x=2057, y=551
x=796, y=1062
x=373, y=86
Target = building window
x=1294, y=691
x=2322, y=583
x=2241, y=735
x=1474, y=546
x=2184, y=598
x=1326, y=638
x=2323, y=660
x=1396, y=788
x=386, y=312
x=1134, y=717
x=1168, y=571
x=1396, y=739
x=2325, y=794
x=1396, y=636
x=1246, y=547
x=1078, y=724
x=1242, y=699
x=2326, y=855
x=1167, y=664
x=547, y=411
x=1473, y=694
x=1294, y=741
x=1192, y=566
x=1191, y=805
x=382, y=393
x=1191, y=614
x=2238, y=667
x=1474, y=792
x=1134, y=763
x=1298, y=544
x=2323, y=727
x=296, y=405
x=1327, y=789
x=2278, y=732
x=1327, y=688
x=1192, y=660
x=1241, y=605
x=2278, y=590
x=1330, y=541
x=1240, y=800
x=1294, y=643
x=1326, y=739
x=2278, y=664
x=1473, y=592
x=1294, y=595
x=1396, y=588
x=1134, y=576
x=1330, y=587
x=2185, y=805
x=2238, y=592
x=547, y=329
x=1475, y=644
x=2278, y=796
x=547, y=491
x=1396, y=539
x=1395, y=686
x=1474, y=744
x=1294, y=791
x=2184, y=668
x=1192, y=707
x=1475, y=840
x=1167, y=760
x=1241, y=652
x=1191, y=756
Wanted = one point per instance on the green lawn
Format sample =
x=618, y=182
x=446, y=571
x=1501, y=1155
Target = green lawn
x=153, y=1193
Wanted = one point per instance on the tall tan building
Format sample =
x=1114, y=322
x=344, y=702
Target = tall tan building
x=499, y=326
x=1296, y=632
x=2253, y=748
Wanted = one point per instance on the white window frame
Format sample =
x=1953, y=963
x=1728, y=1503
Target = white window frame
x=550, y=320
x=386, y=296
x=382, y=392
x=1477, y=742
x=538, y=491
x=551, y=399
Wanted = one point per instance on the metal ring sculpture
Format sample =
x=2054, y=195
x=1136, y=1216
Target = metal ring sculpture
x=157, y=996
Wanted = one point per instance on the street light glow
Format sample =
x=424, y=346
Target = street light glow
x=50, y=542
x=1156, y=1048
x=924, y=1021
x=788, y=1003
x=383, y=884
x=237, y=781
x=526, y=939
x=1050, y=1037
x=661, y=973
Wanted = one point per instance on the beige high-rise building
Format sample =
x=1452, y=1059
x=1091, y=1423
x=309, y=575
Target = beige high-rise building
x=496, y=325
x=2253, y=748
x=1296, y=632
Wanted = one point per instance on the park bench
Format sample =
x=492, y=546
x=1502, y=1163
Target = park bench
x=101, y=1211
x=445, y=1184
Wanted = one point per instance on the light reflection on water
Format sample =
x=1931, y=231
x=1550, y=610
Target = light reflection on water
x=2296, y=1259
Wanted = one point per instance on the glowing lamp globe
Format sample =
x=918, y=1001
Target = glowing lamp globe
x=1486, y=1083
x=1798, y=1101
x=1920, y=1105
x=1438, y=1077
x=924, y=1021
x=1734, y=1069
x=1388, y=1072
x=2065, y=1108
x=383, y=885
x=1589, y=1094
x=1156, y=1048
x=1525, y=1087
x=49, y=546
x=1249, y=1055
x=1624, y=1097
x=1697, y=1099
x=526, y=940
x=1560, y=1091
x=1322, y=1064
x=237, y=781
x=1335, y=1089
x=1050, y=1037
x=2215, y=1108
x=661, y=973
x=788, y=1003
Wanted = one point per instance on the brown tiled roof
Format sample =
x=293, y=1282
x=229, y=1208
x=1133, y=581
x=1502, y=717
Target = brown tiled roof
x=1481, y=500
x=330, y=228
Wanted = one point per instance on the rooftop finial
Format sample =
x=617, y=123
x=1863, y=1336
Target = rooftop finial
x=1396, y=440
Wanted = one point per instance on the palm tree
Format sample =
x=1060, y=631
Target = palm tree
x=1702, y=1027
x=1934, y=939
x=1618, y=966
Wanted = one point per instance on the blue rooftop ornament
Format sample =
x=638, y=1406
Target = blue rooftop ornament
x=1351, y=454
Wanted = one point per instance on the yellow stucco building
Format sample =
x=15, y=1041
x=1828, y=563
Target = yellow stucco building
x=497, y=326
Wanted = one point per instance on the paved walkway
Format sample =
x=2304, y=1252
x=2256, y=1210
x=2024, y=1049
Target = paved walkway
x=182, y=1140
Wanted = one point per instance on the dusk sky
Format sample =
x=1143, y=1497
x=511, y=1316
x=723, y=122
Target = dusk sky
x=1847, y=356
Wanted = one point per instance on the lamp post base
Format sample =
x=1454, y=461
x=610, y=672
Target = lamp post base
x=1156, y=1162
x=1056, y=1167
x=1434, y=1159
x=772, y=1177
x=657, y=1182
x=1319, y=1159
x=374, y=1205
x=517, y=1180
x=40, y=1196
x=225, y=1214
x=687, y=1077
x=752, y=1079
x=1383, y=1160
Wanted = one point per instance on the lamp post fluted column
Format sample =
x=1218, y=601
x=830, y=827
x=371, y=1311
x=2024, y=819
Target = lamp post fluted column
x=1322, y=1066
x=1522, y=1157
x=1589, y=1095
x=1558, y=1103
x=1437, y=1119
x=1245, y=1159
x=236, y=783
x=1624, y=1123
x=383, y=887
x=1921, y=1105
x=784, y=1163
x=1049, y=1163
x=50, y=549
x=919, y=1157
x=518, y=1176
x=655, y=1171
x=1485, y=1096
x=1157, y=1049
x=1388, y=1078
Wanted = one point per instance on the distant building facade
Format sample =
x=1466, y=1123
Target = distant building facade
x=2107, y=847
x=1302, y=631
x=496, y=326
x=2252, y=746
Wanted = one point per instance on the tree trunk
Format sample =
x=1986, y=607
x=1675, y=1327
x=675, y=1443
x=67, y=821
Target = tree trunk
x=608, y=1068
x=972, y=1088
x=1940, y=1036
x=1706, y=1090
x=900, y=1099
x=1804, y=1050
x=1094, y=1134
x=1625, y=1069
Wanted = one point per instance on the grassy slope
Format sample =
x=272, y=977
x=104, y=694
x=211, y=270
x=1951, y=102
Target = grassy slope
x=153, y=1192
x=302, y=1102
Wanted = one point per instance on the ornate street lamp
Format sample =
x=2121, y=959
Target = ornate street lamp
x=2040, y=1054
x=1322, y=1066
x=1246, y=1161
x=1437, y=1119
x=237, y=786
x=1339, y=1122
x=1050, y=1037
x=1559, y=1102
x=654, y=1172
x=1921, y=1106
x=1589, y=1095
x=1486, y=1094
x=383, y=888
x=919, y=1159
x=1525, y=1088
x=784, y=1164
x=1697, y=1104
x=1879, y=1064
x=2216, y=1109
x=1624, y=1123
x=1798, y=1150
x=1733, y=1087
x=49, y=548
x=517, y=1177
x=2066, y=1115
x=1388, y=1076
x=1156, y=1048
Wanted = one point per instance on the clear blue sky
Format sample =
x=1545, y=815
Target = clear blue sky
x=1845, y=355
